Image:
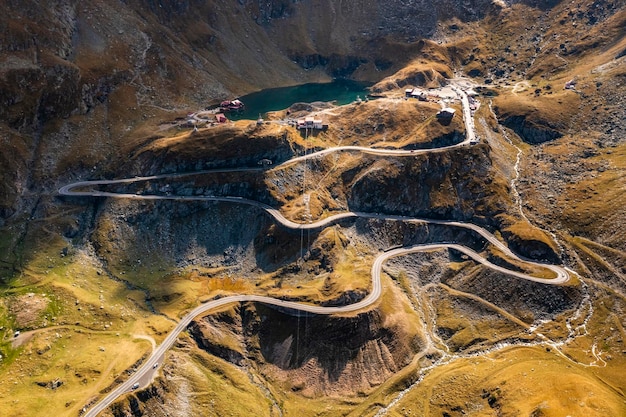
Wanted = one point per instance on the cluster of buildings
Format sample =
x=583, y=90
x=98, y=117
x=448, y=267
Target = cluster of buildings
x=205, y=118
x=215, y=116
x=316, y=123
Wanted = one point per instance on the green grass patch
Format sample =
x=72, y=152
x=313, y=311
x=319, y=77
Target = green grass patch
x=60, y=369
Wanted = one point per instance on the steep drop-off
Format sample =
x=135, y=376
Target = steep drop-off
x=98, y=89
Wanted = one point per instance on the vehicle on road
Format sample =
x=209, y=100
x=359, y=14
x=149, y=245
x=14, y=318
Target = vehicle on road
x=135, y=386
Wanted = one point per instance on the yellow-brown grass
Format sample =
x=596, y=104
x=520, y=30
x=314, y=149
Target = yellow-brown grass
x=513, y=381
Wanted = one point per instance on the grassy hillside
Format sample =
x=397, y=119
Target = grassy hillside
x=90, y=91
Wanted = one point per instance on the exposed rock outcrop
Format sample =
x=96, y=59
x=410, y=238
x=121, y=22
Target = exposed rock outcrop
x=315, y=355
x=453, y=185
x=531, y=248
x=531, y=132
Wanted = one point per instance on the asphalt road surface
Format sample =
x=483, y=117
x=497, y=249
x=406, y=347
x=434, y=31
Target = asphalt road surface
x=143, y=376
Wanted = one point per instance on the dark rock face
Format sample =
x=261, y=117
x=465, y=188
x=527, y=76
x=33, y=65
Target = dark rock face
x=155, y=400
x=320, y=353
x=223, y=148
x=340, y=342
x=263, y=12
x=538, y=301
x=338, y=66
x=530, y=132
x=413, y=18
x=37, y=94
x=454, y=185
x=531, y=249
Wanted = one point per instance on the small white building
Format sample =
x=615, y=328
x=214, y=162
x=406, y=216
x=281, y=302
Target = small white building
x=419, y=94
x=446, y=113
x=311, y=122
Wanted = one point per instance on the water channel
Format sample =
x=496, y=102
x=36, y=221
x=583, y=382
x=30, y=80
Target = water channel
x=339, y=91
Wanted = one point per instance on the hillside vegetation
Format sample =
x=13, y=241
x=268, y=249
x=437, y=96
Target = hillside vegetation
x=88, y=286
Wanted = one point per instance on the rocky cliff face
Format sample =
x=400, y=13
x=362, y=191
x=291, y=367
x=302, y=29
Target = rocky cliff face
x=455, y=185
x=314, y=355
x=71, y=70
x=85, y=88
x=61, y=59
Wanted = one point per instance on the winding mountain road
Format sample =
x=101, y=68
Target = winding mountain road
x=144, y=374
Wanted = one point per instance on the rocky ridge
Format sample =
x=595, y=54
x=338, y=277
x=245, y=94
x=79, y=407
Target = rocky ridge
x=84, y=95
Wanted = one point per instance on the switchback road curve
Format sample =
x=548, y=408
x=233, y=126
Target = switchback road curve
x=147, y=369
x=144, y=374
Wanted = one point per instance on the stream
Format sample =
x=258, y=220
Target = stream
x=576, y=324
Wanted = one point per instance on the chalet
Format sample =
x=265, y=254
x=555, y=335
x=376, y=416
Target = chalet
x=220, y=118
x=419, y=94
x=311, y=122
x=232, y=105
x=416, y=93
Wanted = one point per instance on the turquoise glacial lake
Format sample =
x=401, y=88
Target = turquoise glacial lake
x=340, y=91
